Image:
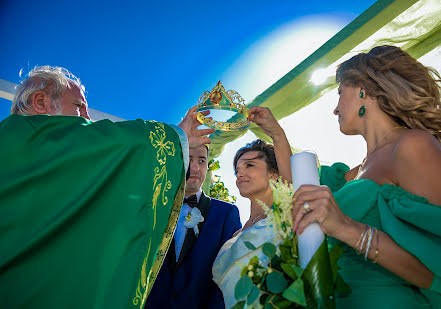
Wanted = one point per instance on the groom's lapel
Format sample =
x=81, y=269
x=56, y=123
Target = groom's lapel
x=190, y=237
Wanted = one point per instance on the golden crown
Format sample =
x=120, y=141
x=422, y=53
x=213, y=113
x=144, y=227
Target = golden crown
x=218, y=98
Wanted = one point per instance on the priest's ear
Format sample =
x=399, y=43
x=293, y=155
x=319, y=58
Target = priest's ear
x=41, y=103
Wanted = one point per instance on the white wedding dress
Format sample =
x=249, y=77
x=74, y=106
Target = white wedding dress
x=234, y=255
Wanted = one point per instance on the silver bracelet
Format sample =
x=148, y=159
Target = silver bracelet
x=368, y=246
x=362, y=242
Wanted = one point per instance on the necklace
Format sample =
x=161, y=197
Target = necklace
x=384, y=137
x=375, y=148
x=255, y=219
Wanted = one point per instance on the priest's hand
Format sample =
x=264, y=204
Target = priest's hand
x=190, y=126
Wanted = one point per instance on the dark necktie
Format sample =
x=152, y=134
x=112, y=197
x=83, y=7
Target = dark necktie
x=191, y=200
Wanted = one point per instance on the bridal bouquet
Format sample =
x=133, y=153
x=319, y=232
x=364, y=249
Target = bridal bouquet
x=283, y=283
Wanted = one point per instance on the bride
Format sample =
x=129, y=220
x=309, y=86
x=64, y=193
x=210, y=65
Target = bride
x=254, y=165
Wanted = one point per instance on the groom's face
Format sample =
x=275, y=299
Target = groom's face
x=198, y=170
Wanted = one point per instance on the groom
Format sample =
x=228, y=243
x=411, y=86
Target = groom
x=185, y=279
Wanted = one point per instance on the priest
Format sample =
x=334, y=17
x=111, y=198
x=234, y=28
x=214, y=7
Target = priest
x=87, y=209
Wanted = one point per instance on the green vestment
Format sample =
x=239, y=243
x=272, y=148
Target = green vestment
x=87, y=210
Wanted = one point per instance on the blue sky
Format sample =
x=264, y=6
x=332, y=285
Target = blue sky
x=146, y=59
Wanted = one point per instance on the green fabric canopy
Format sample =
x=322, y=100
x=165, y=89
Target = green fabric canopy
x=413, y=25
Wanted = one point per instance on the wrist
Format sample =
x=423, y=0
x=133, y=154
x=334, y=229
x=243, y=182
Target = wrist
x=349, y=231
x=278, y=134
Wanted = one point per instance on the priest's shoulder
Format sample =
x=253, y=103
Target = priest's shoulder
x=134, y=129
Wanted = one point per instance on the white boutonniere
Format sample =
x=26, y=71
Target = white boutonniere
x=192, y=220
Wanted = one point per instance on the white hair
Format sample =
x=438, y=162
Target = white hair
x=53, y=81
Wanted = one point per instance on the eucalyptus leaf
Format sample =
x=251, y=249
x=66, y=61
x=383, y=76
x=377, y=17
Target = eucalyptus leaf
x=269, y=250
x=291, y=270
x=243, y=287
x=253, y=295
x=239, y=305
x=275, y=282
x=296, y=293
x=249, y=245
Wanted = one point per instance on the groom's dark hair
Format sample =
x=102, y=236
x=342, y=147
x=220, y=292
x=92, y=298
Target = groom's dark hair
x=266, y=152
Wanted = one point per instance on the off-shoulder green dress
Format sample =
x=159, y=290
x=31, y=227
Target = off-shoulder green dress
x=410, y=220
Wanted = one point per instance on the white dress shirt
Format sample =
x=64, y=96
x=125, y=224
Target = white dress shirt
x=181, y=230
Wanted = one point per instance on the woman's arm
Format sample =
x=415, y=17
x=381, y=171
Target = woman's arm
x=263, y=117
x=333, y=222
x=390, y=255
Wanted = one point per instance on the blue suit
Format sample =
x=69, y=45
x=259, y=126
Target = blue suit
x=188, y=282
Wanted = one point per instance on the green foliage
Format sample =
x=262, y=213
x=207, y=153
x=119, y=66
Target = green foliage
x=249, y=245
x=275, y=282
x=291, y=270
x=295, y=293
x=253, y=295
x=269, y=250
x=239, y=305
x=213, y=165
x=281, y=282
x=217, y=187
x=243, y=287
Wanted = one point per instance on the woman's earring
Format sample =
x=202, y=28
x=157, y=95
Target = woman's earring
x=362, y=110
x=361, y=94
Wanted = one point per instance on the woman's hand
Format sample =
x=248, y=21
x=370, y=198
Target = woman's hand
x=263, y=117
x=323, y=209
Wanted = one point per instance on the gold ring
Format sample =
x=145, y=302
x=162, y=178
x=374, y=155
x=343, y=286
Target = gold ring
x=307, y=207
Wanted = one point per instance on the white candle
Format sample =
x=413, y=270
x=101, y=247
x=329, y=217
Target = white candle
x=304, y=171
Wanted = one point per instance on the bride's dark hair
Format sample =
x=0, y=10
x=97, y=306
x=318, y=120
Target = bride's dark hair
x=266, y=152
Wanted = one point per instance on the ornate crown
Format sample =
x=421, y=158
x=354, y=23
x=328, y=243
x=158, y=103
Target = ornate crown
x=218, y=98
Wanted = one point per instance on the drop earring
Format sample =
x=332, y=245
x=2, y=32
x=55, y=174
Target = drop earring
x=362, y=109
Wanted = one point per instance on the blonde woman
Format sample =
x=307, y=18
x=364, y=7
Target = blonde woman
x=385, y=211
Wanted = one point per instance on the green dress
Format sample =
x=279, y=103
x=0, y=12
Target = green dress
x=412, y=222
x=87, y=210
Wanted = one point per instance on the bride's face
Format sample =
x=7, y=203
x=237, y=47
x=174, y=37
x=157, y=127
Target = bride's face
x=252, y=175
